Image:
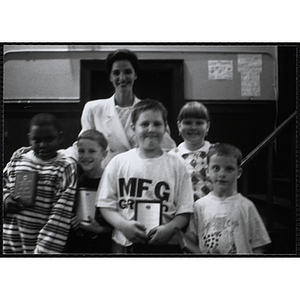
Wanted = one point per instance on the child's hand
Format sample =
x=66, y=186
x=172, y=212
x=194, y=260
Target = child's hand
x=12, y=204
x=135, y=232
x=160, y=235
x=75, y=222
x=93, y=226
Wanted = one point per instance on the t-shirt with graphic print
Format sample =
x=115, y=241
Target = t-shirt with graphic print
x=227, y=226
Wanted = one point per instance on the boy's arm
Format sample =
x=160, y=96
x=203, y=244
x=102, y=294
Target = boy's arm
x=259, y=236
x=179, y=221
x=9, y=201
x=192, y=230
x=162, y=234
x=133, y=230
x=72, y=151
x=184, y=207
x=53, y=236
x=12, y=205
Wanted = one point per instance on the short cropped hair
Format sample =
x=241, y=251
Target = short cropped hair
x=121, y=54
x=194, y=110
x=44, y=119
x=227, y=150
x=94, y=135
x=148, y=104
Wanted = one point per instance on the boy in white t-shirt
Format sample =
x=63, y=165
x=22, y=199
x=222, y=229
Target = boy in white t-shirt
x=225, y=222
x=146, y=173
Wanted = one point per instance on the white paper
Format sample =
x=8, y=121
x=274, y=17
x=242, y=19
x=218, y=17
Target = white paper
x=86, y=205
x=148, y=214
x=249, y=62
x=220, y=70
x=250, y=84
x=250, y=67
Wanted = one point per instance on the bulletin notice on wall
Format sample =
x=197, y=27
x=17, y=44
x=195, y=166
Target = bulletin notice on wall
x=250, y=67
x=220, y=69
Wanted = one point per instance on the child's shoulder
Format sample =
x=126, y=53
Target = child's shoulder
x=174, y=151
x=243, y=200
x=240, y=201
x=207, y=198
x=124, y=157
x=174, y=158
x=132, y=153
x=20, y=152
x=206, y=146
x=182, y=149
x=178, y=151
x=64, y=159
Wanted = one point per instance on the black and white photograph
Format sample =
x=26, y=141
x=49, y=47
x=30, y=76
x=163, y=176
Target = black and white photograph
x=207, y=130
x=153, y=165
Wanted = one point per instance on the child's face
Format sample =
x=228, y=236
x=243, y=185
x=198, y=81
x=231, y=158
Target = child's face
x=150, y=129
x=90, y=154
x=44, y=141
x=193, y=131
x=224, y=172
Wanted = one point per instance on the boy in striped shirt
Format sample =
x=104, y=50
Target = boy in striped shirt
x=42, y=228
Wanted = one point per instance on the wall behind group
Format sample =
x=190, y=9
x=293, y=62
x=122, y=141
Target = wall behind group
x=52, y=72
x=39, y=78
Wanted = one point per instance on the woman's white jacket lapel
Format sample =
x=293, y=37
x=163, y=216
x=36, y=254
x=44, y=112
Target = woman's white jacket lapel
x=113, y=123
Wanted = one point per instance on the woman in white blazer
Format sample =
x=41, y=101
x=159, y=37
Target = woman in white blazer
x=112, y=116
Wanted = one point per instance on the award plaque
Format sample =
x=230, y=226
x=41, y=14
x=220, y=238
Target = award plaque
x=149, y=213
x=86, y=204
x=25, y=186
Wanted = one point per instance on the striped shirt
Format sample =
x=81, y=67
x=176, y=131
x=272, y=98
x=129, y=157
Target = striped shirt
x=44, y=227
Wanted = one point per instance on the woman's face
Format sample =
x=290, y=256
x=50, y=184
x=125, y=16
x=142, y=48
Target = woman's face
x=122, y=75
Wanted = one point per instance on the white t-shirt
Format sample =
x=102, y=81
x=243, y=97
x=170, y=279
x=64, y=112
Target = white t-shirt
x=229, y=226
x=128, y=178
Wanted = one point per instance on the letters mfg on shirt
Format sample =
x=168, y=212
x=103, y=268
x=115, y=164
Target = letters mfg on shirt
x=139, y=188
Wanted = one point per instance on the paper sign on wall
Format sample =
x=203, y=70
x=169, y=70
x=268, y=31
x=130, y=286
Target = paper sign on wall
x=250, y=67
x=220, y=69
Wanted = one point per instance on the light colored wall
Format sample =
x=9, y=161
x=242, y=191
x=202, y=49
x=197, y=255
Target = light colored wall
x=52, y=72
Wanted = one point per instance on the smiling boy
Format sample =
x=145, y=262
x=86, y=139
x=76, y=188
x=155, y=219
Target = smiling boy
x=93, y=236
x=146, y=173
x=225, y=222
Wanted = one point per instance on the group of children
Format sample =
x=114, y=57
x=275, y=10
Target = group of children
x=194, y=184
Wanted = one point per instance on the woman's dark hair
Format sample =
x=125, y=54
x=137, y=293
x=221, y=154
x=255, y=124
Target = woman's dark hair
x=145, y=105
x=121, y=54
x=194, y=110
